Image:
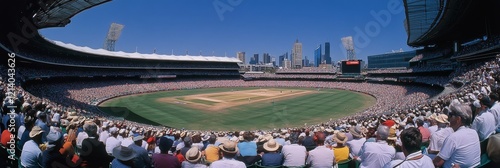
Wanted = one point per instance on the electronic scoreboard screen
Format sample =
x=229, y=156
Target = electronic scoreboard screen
x=351, y=66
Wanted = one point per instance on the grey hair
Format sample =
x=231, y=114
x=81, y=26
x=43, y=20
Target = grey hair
x=464, y=111
x=383, y=132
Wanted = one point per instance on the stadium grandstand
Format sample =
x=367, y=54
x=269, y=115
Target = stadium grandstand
x=58, y=86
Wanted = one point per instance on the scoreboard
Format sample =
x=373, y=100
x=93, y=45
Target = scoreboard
x=351, y=66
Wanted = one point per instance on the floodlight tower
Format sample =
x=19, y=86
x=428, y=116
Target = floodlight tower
x=349, y=46
x=115, y=30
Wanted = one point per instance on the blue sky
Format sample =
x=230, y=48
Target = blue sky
x=224, y=27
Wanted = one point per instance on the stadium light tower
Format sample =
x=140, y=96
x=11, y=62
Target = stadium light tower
x=115, y=30
x=349, y=46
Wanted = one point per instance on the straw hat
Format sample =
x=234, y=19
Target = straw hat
x=36, y=130
x=271, y=145
x=392, y=134
x=356, y=132
x=442, y=118
x=193, y=155
x=340, y=137
x=229, y=147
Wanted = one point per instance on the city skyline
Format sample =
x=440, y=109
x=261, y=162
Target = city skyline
x=222, y=29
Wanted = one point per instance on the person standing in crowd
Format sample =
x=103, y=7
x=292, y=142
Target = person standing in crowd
x=228, y=150
x=320, y=156
x=377, y=154
x=461, y=147
x=411, y=139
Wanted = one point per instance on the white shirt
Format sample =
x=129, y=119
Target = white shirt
x=294, y=155
x=103, y=136
x=320, y=157
x=56, y=117
x=225, y=163
x=127, y=141
x=432, y=129
x=484, y=124
x=111, y=143
x=437, y=139
x=355, y=145
x=20, y=132
x=425, y=161
x=461, y=147
x=79, y=139
x=376, y=154
x=495, y=110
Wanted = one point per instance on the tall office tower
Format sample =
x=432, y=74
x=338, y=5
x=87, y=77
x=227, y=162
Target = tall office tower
x=256, y=58
x=273, y=60
x=328, y=57
x=297, y=55
x=288, y=63
x=266, y=58
x=317, y=56
x=241, y=56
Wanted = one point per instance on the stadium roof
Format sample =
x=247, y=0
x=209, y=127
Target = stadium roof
x=145, y=56
x=58, y=13
x=431, y=22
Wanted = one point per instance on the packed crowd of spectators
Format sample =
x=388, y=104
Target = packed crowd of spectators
x=487, y=44
x=288, y=76
x=451, y=128
x=307, y=70
x=420, y=68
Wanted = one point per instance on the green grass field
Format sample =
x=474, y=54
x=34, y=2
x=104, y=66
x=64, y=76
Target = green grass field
x=312, y=108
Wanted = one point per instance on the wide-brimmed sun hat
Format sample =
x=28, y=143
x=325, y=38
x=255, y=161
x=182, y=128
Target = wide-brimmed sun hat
x=229, y=147
x=123, y=153
x=340, y=137
x=356, y=132
x=36, y=130
x=271, y=145
x=193, y=155
x=442, y=118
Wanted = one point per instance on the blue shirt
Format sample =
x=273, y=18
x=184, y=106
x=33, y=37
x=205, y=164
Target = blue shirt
x=25, y=137
x=142, y=159
x=45, y=129
x=31, y=155
x=248, y=148
x=272, y=159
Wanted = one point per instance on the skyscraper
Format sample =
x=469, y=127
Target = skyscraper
x=241, y=56
x=297, y=55
x=328, y=58
x=317, y=56
x=256, y=58
x=266, y=58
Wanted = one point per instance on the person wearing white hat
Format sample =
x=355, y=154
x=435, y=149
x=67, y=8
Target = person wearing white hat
x=484, y=123
x=104, y=135
x=112, y=141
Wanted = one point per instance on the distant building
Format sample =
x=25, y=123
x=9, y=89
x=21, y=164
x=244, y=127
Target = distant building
x=317, y=56
x=282, y=58
x=273, y=61
x=288, y=64
x=327, y=57
x=255, y=59
x=305, y=62
x=241, y=56
x=297, y=55
x=266, y=58
x=391, y=60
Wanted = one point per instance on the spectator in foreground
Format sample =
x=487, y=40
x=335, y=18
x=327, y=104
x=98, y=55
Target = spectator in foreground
x=212, y=151
x=437, y=139
x=228, y=150
x=272, y=157
x=484, y=123
x=461, y=147
x=412, y=140
x=31, y=156
x=124, y=157
x=193, y=159
x=320, y=156
x=341, y=151
x=92, y=148
x=294, y=154
x=377, y=154
x=163, y=159
x=142, y=159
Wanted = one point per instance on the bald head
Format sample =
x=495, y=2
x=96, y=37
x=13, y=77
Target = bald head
x=382, y=132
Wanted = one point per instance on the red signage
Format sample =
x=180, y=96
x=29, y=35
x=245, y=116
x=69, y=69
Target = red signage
x=352, y=63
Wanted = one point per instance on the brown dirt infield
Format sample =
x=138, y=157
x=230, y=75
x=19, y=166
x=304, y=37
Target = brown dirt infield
x=217, y=102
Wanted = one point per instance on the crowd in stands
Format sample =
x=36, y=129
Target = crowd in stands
x=420, y=68
x=404, y=128
x=288, y=76
x=489, y=43
x=307, y=70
